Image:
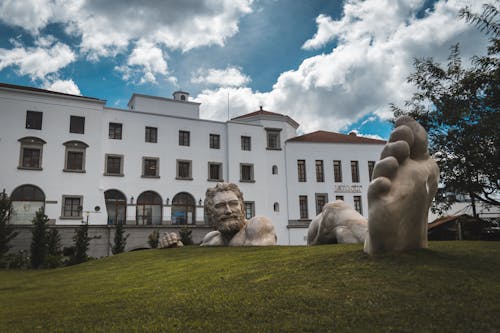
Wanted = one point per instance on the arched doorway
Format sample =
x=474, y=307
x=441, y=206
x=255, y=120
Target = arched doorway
x=149, y=208
x=116, y=206
x=183, y=209
x=26, y=201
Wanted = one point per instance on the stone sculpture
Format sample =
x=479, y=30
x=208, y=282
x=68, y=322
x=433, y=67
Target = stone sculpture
x=337, y=223
x=168, y=240
x=399, y=197
x=224, y=210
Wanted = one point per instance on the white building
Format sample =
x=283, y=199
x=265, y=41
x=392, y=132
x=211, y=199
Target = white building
x=150, y=165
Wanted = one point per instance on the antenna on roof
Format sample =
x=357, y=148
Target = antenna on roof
x=228, y=105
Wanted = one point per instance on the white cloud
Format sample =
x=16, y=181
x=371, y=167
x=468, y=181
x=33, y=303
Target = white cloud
x=64, y=86
x=229, y=77
x=107, y=27
x=147, y=59
x=326, y=32
x=45, y=58
x=376, y=42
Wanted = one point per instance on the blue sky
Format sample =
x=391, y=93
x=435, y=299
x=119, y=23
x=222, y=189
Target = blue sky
x=330, y=65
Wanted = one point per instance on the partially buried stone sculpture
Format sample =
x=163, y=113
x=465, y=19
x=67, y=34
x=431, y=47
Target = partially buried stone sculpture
x=399, y=197
x=337, y=223
x=224, y=210
x=169, y=240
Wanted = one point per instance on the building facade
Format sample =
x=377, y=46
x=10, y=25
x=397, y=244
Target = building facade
x=149, y=166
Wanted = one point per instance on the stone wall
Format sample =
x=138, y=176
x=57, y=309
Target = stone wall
x=101, y=247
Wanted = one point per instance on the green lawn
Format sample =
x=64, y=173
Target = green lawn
x=452, y=287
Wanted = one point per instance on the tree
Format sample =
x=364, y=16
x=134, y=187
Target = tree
x=120, y=240
x=39, y=240
x=153, y=239
x=459, y=108
x=6, y=231
x=54, y=242
x=82, y=241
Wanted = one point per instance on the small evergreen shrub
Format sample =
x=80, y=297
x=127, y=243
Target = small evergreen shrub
x=120, y=240
x=185, y=234
x=82, y=241
x=6, y=231
x=153, y=239
x=17, y=260
x=39, y=240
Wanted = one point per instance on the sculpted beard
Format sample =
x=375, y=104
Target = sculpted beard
x=231, y=224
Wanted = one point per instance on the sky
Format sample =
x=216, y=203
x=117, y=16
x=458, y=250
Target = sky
x=330, y=65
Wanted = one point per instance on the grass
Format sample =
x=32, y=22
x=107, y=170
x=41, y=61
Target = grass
x=452, y=287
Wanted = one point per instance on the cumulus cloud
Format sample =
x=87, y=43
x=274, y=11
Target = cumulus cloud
x=48, y=56
x=229, y=77
x=145, y=62
x=376, y=42
x=64, y=86
x=107, y=27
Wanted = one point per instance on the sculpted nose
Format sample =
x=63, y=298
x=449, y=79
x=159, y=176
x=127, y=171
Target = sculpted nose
x=228, y=210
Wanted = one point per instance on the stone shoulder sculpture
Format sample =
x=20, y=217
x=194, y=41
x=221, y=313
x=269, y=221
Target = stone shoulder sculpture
x=224, y=210
x=337, y=223
x=399, y=197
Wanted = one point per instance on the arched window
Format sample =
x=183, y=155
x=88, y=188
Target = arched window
x=26, y=201
x=149, y=208
x=276, y=207
x=183, y=209
x=275, y=170
x=116, y=206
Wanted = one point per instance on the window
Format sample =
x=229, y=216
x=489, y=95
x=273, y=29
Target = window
x=337, y=171
x=215, y=171
x=276, y=207
x=249, y=209
x=77, y=124
x=72, y=207
x=114, y=165
x=151, y=134
x=355, y=171
x=150, y=167
x=184, y=138
x=371, y=166
x=26, y=201
x=339, y=197
x=183, y=209
x=274, y=170
x=31, y=153
x=246, y=173
x=321, y=200
x=357, y=204
x=75, y=156
x=273, y=138
x=116, y=206
x=320, y=176
x=148, y=209
x=34, y=120
x=304, y=214
x=115, y=131
x=301, y=170
x=215, y=141
x=246, y=143
x=184, y=170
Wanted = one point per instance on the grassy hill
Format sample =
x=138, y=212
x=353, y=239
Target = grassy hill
x=452, y=287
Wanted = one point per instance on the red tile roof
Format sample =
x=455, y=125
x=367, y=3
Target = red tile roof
x=259, y=113
x=332, y=137
x=262, y=112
